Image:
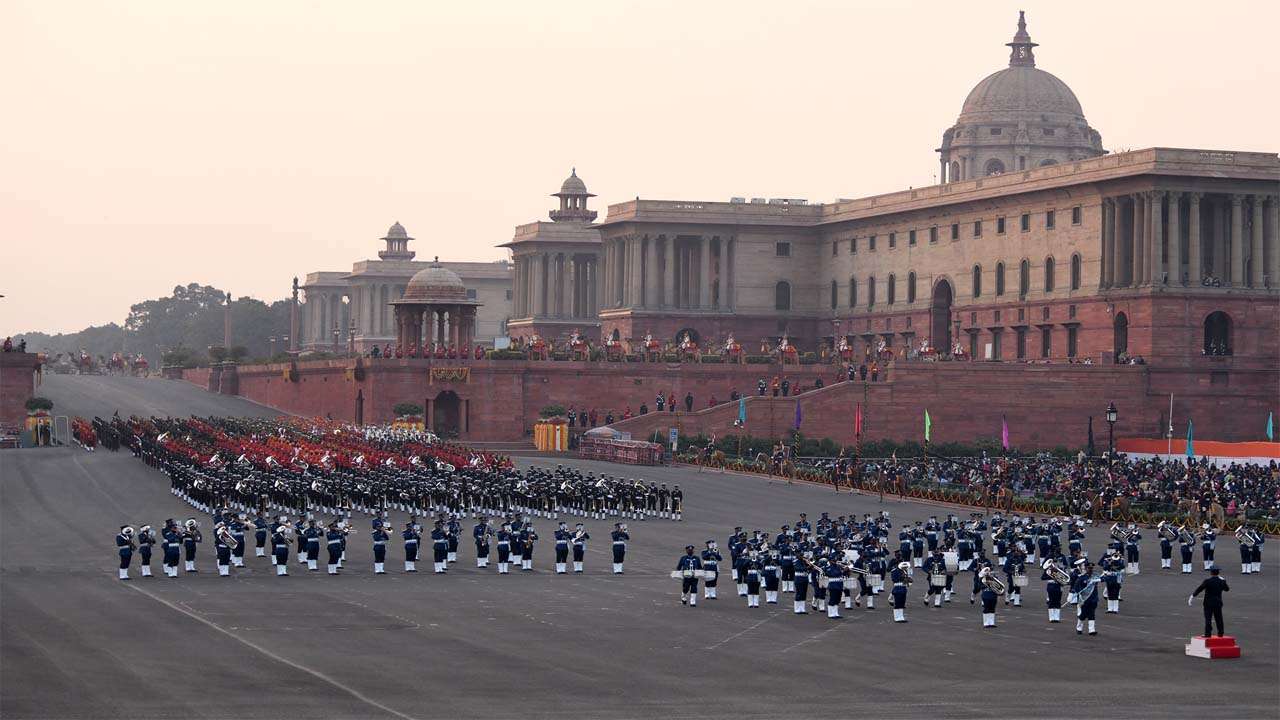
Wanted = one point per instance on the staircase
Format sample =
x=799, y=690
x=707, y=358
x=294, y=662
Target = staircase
x=1213, y=648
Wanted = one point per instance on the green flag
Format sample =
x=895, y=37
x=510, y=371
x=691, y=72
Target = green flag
x=1271, y=434
x=1191, y=447
x=928, y=425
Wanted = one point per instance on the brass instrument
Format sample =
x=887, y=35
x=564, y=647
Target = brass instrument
x=1166, y=531
x=1185, y=536
x=992, y=581
x=1118, y=533
x=226, y=538
x=1247, y=536
x=1060, y=576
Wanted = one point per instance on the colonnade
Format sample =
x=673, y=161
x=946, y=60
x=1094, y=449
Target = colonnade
x=669, y=272
x=420, y=327
x=557, y=285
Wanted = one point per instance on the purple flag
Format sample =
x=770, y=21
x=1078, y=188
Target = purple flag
x=799, y=415
x=1004, y=433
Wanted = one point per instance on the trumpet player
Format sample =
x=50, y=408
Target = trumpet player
x=901, y=578
x=527, y=537
x=711, y=559
x=146, y=540
x=579, y=544
x=688, y=566
x=380, y=536
x=480, y=533
x=1186, y=550
x=989, y=597
x=333, y=538
x=1131, y=549
x=124, y=545
x=619, y=536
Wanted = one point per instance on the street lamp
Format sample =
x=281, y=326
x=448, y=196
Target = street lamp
x=1111, y=428
x=336, y=334
x=273, y=347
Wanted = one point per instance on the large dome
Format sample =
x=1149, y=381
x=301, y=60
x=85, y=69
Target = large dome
x=435, y=284
x=1020, y=89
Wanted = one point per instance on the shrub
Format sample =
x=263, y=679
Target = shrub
x=217, y=353
x=407, y=409
x=507, y=354
x=808, y=358
x=759, y=359
x=39, y=403
x=711, y=359
x=551, y=411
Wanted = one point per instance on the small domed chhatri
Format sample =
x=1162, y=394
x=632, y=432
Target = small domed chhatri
x=1018, y=118
x=573, y=201
x=435, y=284
x=397, y=240
x=434, y=312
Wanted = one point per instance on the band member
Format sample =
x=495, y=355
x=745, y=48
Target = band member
x=711, y=559
x=222, y=548
x=146, y=540
x=786, y=561
x=280, y=544
x=562, y=548
x=440, y=547
x=1113, y=567
x=237, y=525
x=1212, y=587
x=801, y=585
x=313, y=533
x=260, y=531
x=1166, y=553
x=1131, y=547
x=989, y=597
x=579, y=544
x=1208, y=542
x=620, y=538
x=835, y=588
x=527, y=537
x=190, y=536
x=900, y=579
x=1186, y=547
x=1086, y=592
x=411, y=538
x=771, y=576
x=1052, y=592
x=172, y=547
x=452, y=529
x=124, y=544
x=380, y=536
x=688, y=566
x=333, y=543
x=1015, y=573
x=504, y=536
x=480, y=533
x=677, y=503
x=750, y=572
x=935, y=569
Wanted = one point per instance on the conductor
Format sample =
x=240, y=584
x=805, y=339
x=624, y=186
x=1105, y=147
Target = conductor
x=1212, y=587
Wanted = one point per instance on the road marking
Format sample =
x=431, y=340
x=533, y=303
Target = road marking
x=740, y=634
x=314, y=673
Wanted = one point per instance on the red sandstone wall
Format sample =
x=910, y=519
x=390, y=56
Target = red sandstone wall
x=17, y=385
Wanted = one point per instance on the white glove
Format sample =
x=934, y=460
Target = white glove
x=1191, y=599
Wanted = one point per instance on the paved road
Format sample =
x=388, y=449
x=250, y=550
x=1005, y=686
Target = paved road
x=102, y=395
x=77, y=643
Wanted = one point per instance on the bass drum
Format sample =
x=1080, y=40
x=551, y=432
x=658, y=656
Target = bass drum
x=951, y=560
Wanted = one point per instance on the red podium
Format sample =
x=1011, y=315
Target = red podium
x=1214, y=648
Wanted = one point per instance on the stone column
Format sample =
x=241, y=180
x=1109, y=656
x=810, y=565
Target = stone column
x=1155, y=244
x=635, y=274
x=653, y=275
x=1273, y=241
x=1194, y=251
x=1237, y=241
x=1135, y=271
x=731, y=273
x=1108, y=243
x=1175, y=239
x=704, y=274
x=536, y=265
x=1257, y=258
x=455, y=326
x=670, y=298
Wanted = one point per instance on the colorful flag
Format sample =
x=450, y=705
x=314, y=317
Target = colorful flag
x=742, y=411
x=1004, y=432
x=928, y=425
x=1271, y=436
x=799, y=416
x=1191, y=448
x=857, y=420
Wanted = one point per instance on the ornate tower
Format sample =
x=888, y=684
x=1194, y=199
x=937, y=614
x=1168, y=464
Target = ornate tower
x=1022, y=54
x=397, y=241
x=573, y=201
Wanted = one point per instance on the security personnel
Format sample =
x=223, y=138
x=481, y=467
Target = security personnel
x=379, y=536
x=1212, y=587
x=620, y=538
x=562, y=548
x=580, y=538
x=146, y=539
x=504, y=548
x=688, y=566
x=988, y=600
x=124, y=544
x=480, y=534
x=900, y=578
x=411, y=538
x=280, y=545
x=333, y=542
x=1052, y=593
x=440, y=547
x=260, y=527
x=172, y=547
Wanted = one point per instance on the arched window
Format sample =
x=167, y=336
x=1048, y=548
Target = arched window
x=999, y=279
x=834, y=291
x=994, y=167
x=853, y=292
x=977, y=281
x=1048, y=274
x=1024, y=278
x=954, y=175
x=911, y=287
x=1075, y=272
x=1120, y=335
x=891, y=289
x=1047, y=162
x=871, y=291
x=1217, y=333
x=782, y=295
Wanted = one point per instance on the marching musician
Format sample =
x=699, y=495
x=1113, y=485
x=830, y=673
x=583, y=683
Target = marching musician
x=380, y=536
x=480, y=534
x=504, y=536
x=1186, y=547
x=527, y=537
x=579, y=544
x=124, y=544
x=688, y=566
x=237, y=526
x=260, y=527
x=452, y=530
x=1166, y=553
x=146, y=540
x=190, y=536
x=786, y=560
x=817, y=581
x=1208, y=542
x=333, y=543
x=313, y=533
x=411, y=538
x=440, y=547
x=1112, y=566
x=300, y=533
x=1075, y=539
x=861, y=575
x=835, y=587
x=280, y=546
x=1246, y=556
x=1052, y=590
x=620, y=538
x=1131, y=548
x=677, y=503
x=900, y=578
x=801, y=585
x=1085, y=589
x=1015, y=572
x=221, y=548
x=979, y=564
x=935, y=569
x=711, y=560
x=771, y=576
x=989, y=596
x=172, y=547
x=749, y=570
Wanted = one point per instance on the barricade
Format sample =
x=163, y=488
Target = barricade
x=629, y=452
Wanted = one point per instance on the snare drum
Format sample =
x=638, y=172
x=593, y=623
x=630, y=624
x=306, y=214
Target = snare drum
x=951, y=561
x=1020, y=580
x=938, y=580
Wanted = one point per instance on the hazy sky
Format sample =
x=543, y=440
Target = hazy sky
x=149, y=144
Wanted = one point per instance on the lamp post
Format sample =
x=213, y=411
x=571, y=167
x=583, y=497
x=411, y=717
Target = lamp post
x=285, y=339
x=1111, y=429
x=336, y=334
x=351, y=338
x=273, y=347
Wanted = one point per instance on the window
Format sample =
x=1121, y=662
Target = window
x=834, y=291
x=893, y=239
x=1048, y=219
x=911, y=289
x=1044, y=313
x=853, y=292
x=1046, y=342
x=1072, y=340
x=782, y=295
x=955, y=231
x=871, y=291
x=508, y=294
x=911, y=238
x=1048, y=132
x=783, y=249
x=471, y=293
x=1075, y=272
x=1071, y=312
x=996, y=131
x=999, y=279
x=835, y=248
x=1076, y=215
x=1217, y=334
x=1026, y=222
x=1024, y=278
x=977, y=281
x=993, y=167
x=871, y=243
x=1020, y=348
x=997, y=316
x=891, y=289
x=1048, y=274
x=853, y=246
x=995, y=344
x=977, y=228
x=999, y=226
x=933, y=234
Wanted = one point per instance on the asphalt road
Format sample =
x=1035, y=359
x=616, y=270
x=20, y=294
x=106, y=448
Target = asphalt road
x=75, y=642
x=102, y=395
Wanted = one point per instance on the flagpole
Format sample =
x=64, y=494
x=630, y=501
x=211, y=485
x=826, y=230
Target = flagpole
x=1169, y=435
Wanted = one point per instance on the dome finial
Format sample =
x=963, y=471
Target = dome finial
x=1022, y=54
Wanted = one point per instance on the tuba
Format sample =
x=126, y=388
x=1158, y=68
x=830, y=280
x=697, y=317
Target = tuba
x=993, y=582
x=1060, y=576
x=1118, y=533
x=226, y=538
x=1247, y=536
x=1167, y=531
x=1185, y=536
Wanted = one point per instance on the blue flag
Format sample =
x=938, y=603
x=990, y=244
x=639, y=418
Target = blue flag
x=742, y=411
x=1271, y=435
x=1191, y=446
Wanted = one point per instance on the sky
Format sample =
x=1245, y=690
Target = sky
x=239, y=143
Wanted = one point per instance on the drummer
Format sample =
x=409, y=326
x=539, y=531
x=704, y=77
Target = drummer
x=687, y=568
x=935, y=570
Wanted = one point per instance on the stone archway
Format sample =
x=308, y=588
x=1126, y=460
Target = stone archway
x=1120, y=334
x=446, y=414
x=940, y=316
x=1217, y=333
x=693, y=335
